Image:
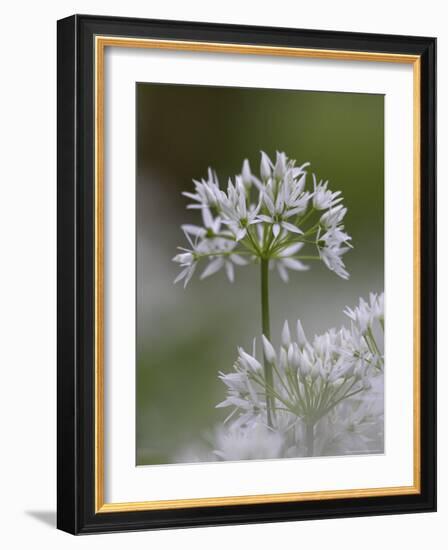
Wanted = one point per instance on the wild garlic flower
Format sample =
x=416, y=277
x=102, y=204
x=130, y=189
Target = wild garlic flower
x=285, y=260
x=237, y=214
x=323, y=198
x=244, y=392
x=223, y=256
x=327, y=394
x=332, y=241
x=368, y=320
x=211, y=227
x=219, y=251
x=310, y=378
x=304, y=397
x=265, y=218
x=365, y=314
x=207, y=191
x=188, y=258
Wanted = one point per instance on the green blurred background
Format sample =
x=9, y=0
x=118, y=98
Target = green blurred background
x=185, y=336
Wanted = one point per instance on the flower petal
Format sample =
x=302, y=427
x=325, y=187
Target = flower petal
x=292, y=228
x=237, y=259
x=295, y=265
x=230, y=271
x=181, y=275
x=268, y=202
x=269, y=351
x=240, y=234
x=283, y=273
x=195, y=230
x=291, y=250
x=207, y=217
x=213, y=267
x=189, y=274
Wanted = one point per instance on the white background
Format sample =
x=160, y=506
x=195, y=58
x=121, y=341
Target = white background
x=28, y=273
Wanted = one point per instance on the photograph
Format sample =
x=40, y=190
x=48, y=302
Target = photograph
x=246, y=274
x=260, y=306
x=220, y=275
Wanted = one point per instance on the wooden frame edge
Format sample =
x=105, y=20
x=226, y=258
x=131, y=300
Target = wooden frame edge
x=100, y=43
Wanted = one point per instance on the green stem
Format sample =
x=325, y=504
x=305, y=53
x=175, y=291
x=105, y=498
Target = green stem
x=252, y=241
x=304, y=257
x=374, y=344
x=223, y=236
x=265, y=298
x=306, y=216
x=266, y=329
x=309, y=439
x=216, y=254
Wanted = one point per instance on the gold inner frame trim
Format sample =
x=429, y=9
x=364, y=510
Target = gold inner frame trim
x=101, y=42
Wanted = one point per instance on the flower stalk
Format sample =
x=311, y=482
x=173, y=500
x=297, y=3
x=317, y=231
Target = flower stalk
x=309, y=438
x=266, y=330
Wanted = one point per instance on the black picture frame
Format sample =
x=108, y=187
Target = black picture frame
x=76, y=512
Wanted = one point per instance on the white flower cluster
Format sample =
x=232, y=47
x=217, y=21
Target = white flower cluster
x=366, y=314
x=307, y=397
x=270, y=217
x=332, y=384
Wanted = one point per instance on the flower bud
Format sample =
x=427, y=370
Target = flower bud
x=280, y=165
x=248, y=361
x=265, y=166
x=184, y=259
x=293, y=356
x=305, y=365
x=333, y=216
x=210, y=195
x=301, y=338
x=246, y=174
x=269, y=351
x=286, y=335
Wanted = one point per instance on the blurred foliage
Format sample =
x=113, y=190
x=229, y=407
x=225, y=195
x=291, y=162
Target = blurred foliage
x=186, y=336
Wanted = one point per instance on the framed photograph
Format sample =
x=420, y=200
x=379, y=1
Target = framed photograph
x=246, y=274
